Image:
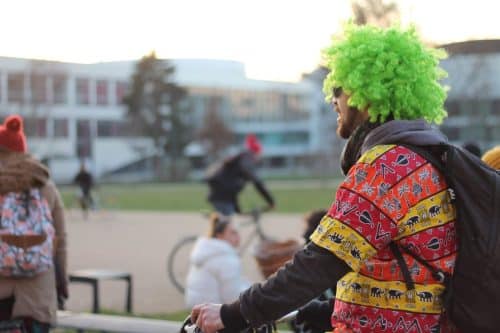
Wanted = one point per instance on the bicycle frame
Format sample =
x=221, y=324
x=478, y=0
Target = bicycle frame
x=255, y=215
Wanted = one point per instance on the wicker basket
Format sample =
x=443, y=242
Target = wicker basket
x=272, y=255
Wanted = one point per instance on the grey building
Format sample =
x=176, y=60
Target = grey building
x=473, y=102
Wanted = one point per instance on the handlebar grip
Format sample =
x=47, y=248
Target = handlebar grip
x=189, y=327
x=288, y=317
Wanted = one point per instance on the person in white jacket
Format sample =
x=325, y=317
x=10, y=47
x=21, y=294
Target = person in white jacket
x=215, y=273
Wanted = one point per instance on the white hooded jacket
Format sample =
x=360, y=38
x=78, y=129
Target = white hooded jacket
x=215, y=274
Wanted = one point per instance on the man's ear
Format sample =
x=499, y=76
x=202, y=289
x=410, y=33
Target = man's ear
x=365, y=113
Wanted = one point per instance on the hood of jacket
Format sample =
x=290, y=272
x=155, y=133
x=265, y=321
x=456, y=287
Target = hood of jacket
x=411, y=132
x=208, y=248
x=20, y=172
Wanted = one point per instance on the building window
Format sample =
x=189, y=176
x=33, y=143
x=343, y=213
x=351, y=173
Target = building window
x=101, y=88
x=495, y=107
x=82, y=92
x=35, y=127
x=38, y=85
x=472, y=133
x=296, y=138
x=61, y=128
x=452, y=107
x=109, y=128
x=277, y=162
x=493, y=133
x=121, y=91
x=483, y=107
x=59, y=87
x=467, y=107
x=83, y=139
x=16, y=87
x=453, y=133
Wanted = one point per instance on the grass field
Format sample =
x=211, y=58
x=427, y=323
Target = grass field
x=291, y=196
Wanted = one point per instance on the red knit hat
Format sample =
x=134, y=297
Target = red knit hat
x=12, y=134
x=253, y=144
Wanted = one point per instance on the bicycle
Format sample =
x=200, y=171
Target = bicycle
x=178, y=266
x=98, y=205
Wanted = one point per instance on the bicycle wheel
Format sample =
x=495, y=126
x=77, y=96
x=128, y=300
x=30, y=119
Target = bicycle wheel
x=178, y=262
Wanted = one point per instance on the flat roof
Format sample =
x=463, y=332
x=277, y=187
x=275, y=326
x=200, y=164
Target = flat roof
x=484, y=46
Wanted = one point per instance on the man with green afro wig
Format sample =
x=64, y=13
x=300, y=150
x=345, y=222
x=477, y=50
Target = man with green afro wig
x=390, y=72
x=384, y=86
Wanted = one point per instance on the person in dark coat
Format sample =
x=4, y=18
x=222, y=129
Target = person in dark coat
x=85, y=182
x=384, y=86
x=229, y=178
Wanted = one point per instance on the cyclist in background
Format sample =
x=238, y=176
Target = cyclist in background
x=229, y=178
x=85, y=182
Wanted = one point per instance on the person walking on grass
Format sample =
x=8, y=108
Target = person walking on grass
x=85, y=183
x=384, y=86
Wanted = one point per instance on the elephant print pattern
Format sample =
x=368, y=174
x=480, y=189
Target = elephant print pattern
x=390, y=195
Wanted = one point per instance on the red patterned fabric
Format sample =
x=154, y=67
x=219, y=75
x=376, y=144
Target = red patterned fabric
x=391, y=194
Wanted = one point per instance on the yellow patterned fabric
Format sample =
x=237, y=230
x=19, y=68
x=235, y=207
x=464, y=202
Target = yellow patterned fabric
x=391, y=195
x=353, y=248
x=374, y=153
x=358, y=289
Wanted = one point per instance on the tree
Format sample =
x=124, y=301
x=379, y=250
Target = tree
x=157, y=107
x=376, y=12
x=215, y=132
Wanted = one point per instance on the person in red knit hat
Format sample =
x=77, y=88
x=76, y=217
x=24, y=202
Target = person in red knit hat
x=12, y=135
x=253, y=144
x=33, y=300
x=228, y=179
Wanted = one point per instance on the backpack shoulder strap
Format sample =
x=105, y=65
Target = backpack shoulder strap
x=438, y=156
x=431, y=155
x=410, y=284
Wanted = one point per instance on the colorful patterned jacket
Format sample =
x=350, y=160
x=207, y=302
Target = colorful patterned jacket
x=391, y=195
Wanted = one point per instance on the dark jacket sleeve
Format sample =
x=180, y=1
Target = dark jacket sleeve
x=76, y=180
x=248, y=168
x=312, y=271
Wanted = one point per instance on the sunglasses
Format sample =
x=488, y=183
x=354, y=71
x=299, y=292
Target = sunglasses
x=337, y=91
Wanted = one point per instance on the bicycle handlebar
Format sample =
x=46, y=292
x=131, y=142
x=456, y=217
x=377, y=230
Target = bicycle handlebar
x=189, y=327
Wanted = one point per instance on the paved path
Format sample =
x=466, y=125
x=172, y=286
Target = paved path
x=139, y=242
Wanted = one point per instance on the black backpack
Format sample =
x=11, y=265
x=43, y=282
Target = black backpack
x=472, y=297
x=226, y=176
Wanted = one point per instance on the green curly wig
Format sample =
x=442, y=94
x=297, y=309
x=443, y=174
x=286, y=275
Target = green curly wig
x=387, y=70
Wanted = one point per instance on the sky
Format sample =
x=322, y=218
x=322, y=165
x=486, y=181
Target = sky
x=275, y=39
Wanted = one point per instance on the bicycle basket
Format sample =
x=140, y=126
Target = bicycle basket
x=272, y=255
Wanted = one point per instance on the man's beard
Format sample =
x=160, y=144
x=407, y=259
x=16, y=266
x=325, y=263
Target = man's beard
x=349, y=123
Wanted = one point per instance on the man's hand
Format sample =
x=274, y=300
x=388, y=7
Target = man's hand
x=207, y=317
x=316, y=315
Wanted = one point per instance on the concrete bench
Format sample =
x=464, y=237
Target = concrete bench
x=93, y=276
x=97, y=322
